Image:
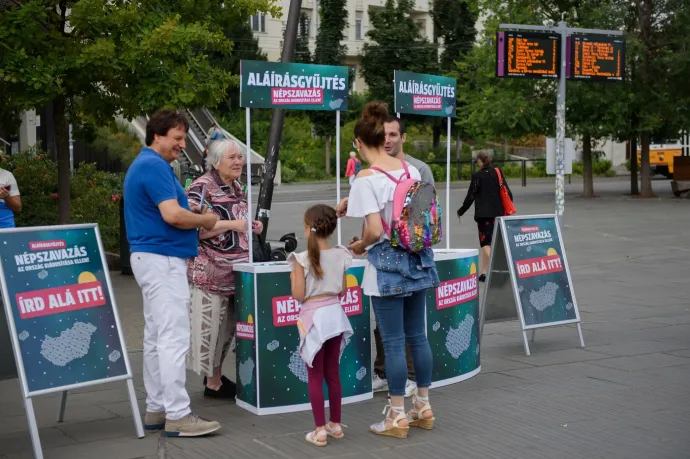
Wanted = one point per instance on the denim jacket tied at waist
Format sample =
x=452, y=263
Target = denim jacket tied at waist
x=401, y=273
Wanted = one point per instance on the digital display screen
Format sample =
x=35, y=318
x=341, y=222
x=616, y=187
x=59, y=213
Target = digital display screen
x=597, y=57
x=528, y=54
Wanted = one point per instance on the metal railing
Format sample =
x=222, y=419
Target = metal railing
x=499, y=162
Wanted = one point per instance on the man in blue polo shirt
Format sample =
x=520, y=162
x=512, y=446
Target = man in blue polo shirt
x=161, y=230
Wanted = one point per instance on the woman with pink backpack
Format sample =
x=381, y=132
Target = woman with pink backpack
x=402, y=221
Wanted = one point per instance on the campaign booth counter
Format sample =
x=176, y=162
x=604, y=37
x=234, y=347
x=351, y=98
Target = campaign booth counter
x=452, y=317
x=271, y=375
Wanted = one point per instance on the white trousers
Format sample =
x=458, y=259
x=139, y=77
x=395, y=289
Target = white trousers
x=163, y=282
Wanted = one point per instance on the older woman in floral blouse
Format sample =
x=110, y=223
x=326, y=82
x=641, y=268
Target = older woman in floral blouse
x=211, y=277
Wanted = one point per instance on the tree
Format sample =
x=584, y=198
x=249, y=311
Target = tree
x=91, y=59
x=508, y=108
x=395, y=45
x=330, y=50
x=302, y=53
x=245, y=47
x=453, y=23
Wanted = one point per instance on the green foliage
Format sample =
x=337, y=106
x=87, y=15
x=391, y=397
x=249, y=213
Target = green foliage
x=330, y=50
x=95, y=194
x=395, y=45
x=118, y=142
x=454, y=22
x=302, y=53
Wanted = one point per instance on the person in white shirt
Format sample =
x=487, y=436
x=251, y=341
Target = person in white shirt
x=10, y=201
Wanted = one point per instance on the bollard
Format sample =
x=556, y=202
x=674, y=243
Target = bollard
x=524, y=173
x=125, y=265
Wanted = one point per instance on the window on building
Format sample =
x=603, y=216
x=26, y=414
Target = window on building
x=258, y=22
x=422, y=27
x=358, y=25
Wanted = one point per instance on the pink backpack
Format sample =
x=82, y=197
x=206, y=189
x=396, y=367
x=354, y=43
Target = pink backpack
x=416, y=222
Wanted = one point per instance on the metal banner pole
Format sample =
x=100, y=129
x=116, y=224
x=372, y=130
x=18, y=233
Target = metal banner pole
x=560, y=126
x=250, y=234
x=447, y=235
x=337, y=169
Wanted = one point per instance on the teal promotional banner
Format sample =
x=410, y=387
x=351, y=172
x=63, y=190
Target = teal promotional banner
x=57, y=292
x=537, y=258
x=245, y=338
x=453, y=321
x=423, y=94
x=293, y=86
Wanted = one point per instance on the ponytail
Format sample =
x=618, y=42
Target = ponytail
x=322, y=222
x=314, y=255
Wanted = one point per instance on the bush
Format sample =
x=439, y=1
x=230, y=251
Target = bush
x=118, y=141
x=94, y=194
x=287, y=174
x=599, y=168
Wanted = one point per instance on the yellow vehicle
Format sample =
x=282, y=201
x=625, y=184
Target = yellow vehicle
x=661, y=157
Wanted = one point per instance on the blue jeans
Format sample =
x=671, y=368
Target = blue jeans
x=399, y=319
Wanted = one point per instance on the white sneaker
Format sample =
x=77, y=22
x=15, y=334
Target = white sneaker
x=379, y=384
x=410, y=388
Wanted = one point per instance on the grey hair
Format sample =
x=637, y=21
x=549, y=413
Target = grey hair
x=352, y=154
x=217, y=149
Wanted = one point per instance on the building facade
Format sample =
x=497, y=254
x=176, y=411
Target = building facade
x=269, y=31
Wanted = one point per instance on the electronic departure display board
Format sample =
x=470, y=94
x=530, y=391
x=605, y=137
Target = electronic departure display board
x=528, y=54
x=597, y=57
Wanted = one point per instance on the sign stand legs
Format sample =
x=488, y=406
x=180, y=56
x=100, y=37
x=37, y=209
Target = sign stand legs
x=526, y=342
x=337, y=170
x=33, y=428
x=579, y=331
x=63, y=404
x=135, y=407
x=250, y=235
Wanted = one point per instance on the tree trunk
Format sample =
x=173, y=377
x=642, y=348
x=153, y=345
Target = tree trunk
x=634, y=187
x=328, y=155
x=62, y=156
x=505, y=148
x=587, y=172
x=645, y=169
x=437, y=134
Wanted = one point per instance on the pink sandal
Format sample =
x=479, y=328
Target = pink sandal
x=335, y=433
x=315, y=437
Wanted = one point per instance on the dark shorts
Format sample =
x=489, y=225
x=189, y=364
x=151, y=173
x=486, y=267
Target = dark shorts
x=485, y=227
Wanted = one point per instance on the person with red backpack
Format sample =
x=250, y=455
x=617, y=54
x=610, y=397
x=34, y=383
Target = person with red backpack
x=485, y=191
x=402, y=222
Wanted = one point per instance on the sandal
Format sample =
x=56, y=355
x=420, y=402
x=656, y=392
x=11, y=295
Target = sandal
x=315, y=438
x=416, y=416
x=335, y=433
x=394, y=429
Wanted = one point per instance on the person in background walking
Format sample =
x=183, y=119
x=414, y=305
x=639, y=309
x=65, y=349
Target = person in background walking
x=484, y=191
x=318, y=279
x=161, y=230
x=353, y=167
x=210, y=274
x=10, y=201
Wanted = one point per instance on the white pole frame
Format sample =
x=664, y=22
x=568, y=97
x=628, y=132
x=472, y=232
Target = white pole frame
x=337, y=170
x=447, y=235
x=250, y=220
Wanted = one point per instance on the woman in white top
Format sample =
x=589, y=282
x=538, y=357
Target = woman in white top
x=318, y=279
x=396, y=280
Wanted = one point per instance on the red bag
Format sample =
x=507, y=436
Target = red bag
x=508, y=207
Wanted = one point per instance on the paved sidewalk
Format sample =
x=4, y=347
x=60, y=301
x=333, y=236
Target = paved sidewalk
x=626, y=395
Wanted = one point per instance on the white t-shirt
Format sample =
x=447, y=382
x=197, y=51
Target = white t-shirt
x=6, y=178
x=328, y=321
x=371, y=194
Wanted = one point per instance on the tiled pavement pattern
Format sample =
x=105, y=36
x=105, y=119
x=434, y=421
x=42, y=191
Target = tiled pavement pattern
x=625, y=396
